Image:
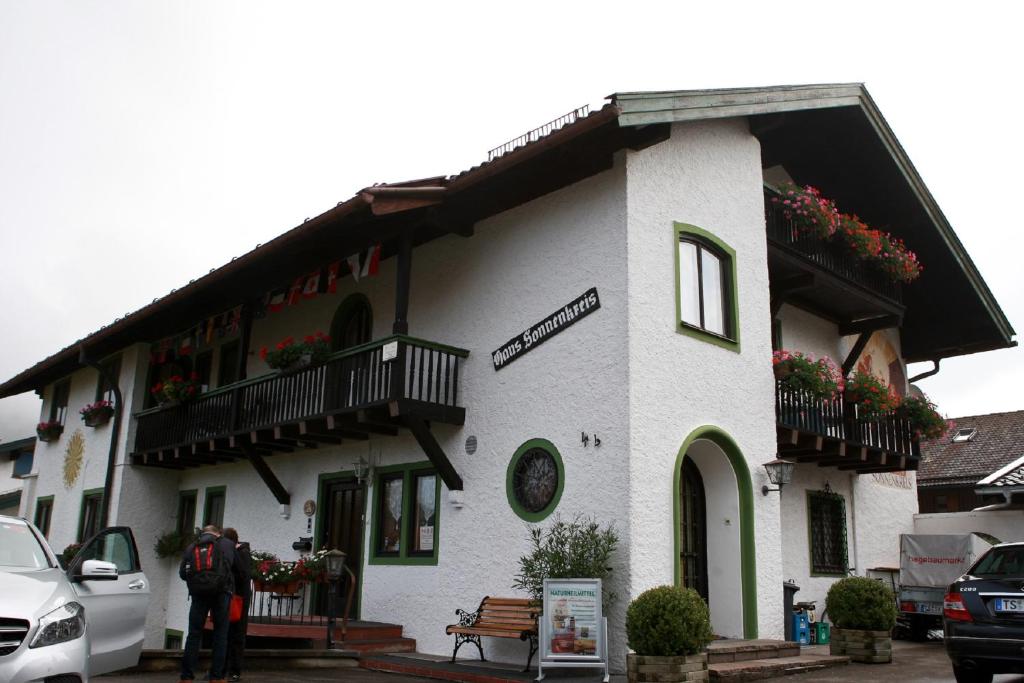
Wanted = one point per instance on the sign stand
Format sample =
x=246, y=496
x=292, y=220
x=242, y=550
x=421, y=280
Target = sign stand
x=570, y=664
x=573, y=633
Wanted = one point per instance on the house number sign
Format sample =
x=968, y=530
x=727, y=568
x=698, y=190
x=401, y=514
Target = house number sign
x=534, y=336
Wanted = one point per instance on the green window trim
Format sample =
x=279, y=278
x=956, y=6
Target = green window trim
x=730, y=290
x=43, y=501
x=408, y=474
x=212, y=491
x=183, y=496
x=87, y=495
x=815, y=501
x=520, y=511
x=171, y=634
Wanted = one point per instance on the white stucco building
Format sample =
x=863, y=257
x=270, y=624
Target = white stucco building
x=622, y=280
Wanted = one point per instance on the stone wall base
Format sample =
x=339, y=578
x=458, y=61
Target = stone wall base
x=650, y=669
x=868, y=647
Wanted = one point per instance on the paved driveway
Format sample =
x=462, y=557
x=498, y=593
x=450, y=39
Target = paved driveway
x=912, y=663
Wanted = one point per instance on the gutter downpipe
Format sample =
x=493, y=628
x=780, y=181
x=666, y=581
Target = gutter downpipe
x=115, y=431
x=929, y=373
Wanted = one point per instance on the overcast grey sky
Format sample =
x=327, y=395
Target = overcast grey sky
x=144, y=143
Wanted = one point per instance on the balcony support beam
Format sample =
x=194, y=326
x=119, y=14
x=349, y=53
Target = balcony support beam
x=781, y=291
x=433, y=451
x=266, y=474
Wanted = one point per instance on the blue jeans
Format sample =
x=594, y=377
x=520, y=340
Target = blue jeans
x=201, y=606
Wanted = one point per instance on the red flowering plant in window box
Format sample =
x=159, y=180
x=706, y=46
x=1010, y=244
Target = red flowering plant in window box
x=176, y=389
x=924, y=419
x=50, y=430
x=817, y=216
x=798, y=371
x=98, y=413
x=289, y=354
x=871, y=395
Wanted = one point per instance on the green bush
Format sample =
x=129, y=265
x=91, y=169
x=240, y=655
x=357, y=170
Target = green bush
x=579, y=549
x=668, y=621
x=861, y=603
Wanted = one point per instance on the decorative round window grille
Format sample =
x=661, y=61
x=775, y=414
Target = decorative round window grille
x=535, y=479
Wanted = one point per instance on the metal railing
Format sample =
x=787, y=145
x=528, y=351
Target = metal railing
x=539, y=132
x=389, y=369
x=828, y=255
x=838, y=419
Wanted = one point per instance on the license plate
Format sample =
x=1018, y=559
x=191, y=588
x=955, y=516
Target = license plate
x=928, y=608
x=1010, y=604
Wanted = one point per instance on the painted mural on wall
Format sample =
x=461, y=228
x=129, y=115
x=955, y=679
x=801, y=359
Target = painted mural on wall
x=881, y=360
x=73, y=456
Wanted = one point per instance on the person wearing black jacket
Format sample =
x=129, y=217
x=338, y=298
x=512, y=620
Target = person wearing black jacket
x=216, y=606
x=243, y=587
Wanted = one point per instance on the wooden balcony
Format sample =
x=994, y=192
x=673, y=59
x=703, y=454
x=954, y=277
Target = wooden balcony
x=377, y=388
x=823, y=277
x=831, y=433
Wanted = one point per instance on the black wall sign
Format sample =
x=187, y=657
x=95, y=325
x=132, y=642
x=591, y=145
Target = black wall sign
x=536, y=335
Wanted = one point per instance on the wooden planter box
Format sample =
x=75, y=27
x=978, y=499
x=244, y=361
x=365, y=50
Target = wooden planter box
x=868, y=647
x=650, y=669
x=98, y=417
x=51, y=434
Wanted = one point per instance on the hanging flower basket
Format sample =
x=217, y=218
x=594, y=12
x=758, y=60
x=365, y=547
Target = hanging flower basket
x=797, y=371
x=175, y=390
x=872, y=396
x=96, y=414
x=49, y=431
x=924, y=419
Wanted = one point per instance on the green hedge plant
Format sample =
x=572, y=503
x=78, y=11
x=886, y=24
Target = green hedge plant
x=861, y=603
x=668, y=621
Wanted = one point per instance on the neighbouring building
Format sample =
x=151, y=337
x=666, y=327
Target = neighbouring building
x=582, y=324
x=953, y=467
x=15, y=466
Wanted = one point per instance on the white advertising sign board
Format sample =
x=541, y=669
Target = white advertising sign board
x=573, y=631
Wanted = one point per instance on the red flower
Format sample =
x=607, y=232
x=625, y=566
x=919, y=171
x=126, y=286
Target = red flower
x=263, y=353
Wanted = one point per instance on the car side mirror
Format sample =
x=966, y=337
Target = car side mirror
x=97, y=570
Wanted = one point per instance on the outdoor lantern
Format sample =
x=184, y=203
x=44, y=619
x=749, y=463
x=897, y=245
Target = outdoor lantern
x=335, y=564
x=780, y=473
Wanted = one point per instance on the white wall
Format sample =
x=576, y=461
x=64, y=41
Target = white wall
x=1006, y=525
x=709, y=175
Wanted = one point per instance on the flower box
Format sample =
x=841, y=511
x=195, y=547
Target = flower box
x=289, y=588
x=289, y=355
x=49, y=431
x=96, y=414
x=657, y=669
x=867, y=647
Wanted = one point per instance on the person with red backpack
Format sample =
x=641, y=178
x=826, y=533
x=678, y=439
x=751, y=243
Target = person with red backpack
x=209, y=568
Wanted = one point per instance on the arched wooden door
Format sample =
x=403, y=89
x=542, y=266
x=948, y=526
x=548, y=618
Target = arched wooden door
x=693, y=547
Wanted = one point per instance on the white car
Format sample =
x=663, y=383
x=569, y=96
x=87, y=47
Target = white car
x=68, y=625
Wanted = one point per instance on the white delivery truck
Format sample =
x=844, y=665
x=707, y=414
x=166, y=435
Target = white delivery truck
x=928, y=564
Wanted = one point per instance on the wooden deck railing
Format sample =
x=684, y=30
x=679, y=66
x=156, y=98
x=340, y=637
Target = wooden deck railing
x=842, y=421
x=392, y=369
x=829, y=256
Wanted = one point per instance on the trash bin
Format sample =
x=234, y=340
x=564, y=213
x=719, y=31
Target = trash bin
x=824, y=632
x=789, y=589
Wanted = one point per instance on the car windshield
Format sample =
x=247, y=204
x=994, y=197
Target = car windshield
x=1001, y=562
x=19, y=547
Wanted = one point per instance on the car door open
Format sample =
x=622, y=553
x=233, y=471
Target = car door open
x=115, y=605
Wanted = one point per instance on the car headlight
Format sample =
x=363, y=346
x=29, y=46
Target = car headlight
x=65, y=623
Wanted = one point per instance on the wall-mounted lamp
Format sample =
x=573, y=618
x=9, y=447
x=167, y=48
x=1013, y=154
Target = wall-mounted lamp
x=363, y=467
x=780, y=473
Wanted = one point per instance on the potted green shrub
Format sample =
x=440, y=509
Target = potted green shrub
x=863, y=613
x=668, y=629
x=173, y=544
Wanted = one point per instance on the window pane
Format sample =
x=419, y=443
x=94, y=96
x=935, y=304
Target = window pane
x=59, y=407
x=186, y=514
x=390, y=515
x=689, y=286
x=711, y=276
x=215, y=509
x=424, y=513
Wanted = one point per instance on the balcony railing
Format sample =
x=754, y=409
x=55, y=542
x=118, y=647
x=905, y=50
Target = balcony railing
x=828, y=256
x=416, y=373
x=839, y=422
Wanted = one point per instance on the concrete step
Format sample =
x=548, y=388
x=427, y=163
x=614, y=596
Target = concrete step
x=255, y=660
x=757, y=669
x=723, y=651
x=378, y=645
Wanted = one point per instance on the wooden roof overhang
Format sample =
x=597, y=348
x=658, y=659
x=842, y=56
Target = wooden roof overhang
x=835, y=138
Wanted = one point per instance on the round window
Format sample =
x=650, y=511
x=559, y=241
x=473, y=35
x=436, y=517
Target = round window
x=534, y=480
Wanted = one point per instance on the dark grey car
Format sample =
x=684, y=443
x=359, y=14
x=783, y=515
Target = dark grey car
x=983, y=616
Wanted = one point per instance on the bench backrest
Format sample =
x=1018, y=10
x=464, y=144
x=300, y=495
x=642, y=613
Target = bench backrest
x=508, y=614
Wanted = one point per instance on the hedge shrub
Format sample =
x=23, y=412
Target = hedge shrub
x=858, y=602
x=668, y=621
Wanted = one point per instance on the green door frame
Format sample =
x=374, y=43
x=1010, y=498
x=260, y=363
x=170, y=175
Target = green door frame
x=748, y=561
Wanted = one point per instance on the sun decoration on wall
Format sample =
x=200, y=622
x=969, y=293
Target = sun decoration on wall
x=73, y=457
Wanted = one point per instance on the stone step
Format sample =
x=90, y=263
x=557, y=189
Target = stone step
x=757, y=669
x=723, y=651
x=379, y=646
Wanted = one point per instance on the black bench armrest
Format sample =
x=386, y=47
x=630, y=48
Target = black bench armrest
x=467, y=618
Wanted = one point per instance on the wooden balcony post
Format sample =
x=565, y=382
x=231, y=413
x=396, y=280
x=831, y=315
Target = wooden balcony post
x=402, y=284
x=241, y=369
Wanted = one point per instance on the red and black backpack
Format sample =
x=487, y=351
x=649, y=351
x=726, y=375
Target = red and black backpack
x=208, y=573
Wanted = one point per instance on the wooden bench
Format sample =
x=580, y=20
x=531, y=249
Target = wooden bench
x=497, y=618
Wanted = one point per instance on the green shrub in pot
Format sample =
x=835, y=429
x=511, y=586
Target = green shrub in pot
x=861, y=603
x=668, y=621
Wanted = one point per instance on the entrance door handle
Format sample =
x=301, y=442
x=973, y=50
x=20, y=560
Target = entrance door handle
x=136, y=585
